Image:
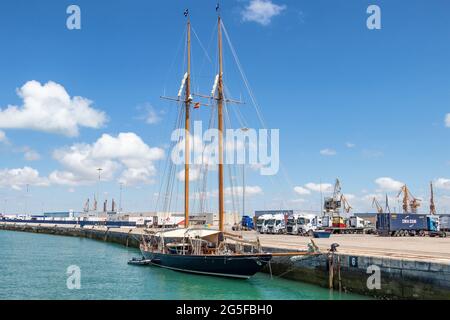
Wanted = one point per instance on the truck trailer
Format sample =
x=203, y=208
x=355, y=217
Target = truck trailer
x=407, y=224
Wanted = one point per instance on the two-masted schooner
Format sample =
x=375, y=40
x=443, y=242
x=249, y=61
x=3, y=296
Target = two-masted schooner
x=204, y=251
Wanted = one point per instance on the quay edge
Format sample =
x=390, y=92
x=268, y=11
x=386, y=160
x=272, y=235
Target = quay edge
x=400, y=278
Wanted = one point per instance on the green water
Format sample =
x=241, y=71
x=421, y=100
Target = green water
x=34, y=266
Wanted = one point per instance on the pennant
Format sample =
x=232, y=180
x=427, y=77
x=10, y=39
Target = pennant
x=197, y=105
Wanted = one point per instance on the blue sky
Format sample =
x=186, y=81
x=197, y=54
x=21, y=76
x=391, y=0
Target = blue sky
x=350, y=102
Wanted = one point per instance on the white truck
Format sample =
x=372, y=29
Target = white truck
x=357, y=222
x=292, y=226
x=303, y=224
x=262, y=223
x=277, y=225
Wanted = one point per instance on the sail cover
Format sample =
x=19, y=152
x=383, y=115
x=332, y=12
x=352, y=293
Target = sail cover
x=192, y=233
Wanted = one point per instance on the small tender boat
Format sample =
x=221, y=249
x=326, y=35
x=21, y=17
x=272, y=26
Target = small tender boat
x=139, y=261
x=322, y=234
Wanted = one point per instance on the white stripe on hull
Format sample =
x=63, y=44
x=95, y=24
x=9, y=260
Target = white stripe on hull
x=205, y=273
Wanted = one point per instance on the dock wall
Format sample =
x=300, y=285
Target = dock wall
x=398, y=278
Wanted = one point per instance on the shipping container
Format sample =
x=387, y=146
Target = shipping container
x=391, y=223
x=444, y=223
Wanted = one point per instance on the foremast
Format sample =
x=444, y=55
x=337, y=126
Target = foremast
x=220, y=101
x=187, y=103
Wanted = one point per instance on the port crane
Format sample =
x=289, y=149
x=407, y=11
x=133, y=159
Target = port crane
x=432, y=205
x=376, y=204
x=388, y=209
x=409, y=201
x=335, y=222
x=333, y=205
x=345, y=204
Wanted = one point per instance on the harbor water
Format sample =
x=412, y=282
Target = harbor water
x=35, y=266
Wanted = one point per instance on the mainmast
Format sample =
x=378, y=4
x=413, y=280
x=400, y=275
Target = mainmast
x=220, y=100
x=187, y=102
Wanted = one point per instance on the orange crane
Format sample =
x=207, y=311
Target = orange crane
x=376, y=204
x=345, y=204
x=432, y=205
x=409, y=201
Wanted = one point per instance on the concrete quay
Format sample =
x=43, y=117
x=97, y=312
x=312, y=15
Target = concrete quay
x=407, y=268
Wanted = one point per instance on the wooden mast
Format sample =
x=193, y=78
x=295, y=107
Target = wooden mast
x=220, y=101
x=187, y=126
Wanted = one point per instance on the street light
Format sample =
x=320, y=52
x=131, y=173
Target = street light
x=98, y=188
x=120, y=199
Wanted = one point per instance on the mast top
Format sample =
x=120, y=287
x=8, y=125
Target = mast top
x=218, y=8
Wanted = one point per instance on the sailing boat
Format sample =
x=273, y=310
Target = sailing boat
x=204, y=251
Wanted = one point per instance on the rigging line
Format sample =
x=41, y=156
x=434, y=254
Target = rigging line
x=208, y=47
x=237, y=112
x=252, y=96
x=201, y=46
x=169, y=185
x=182, y=38
x=205, y=203
x=229, y=167
x=204, y=171
x=166, y=167
x=183, y=67
x=244, y=77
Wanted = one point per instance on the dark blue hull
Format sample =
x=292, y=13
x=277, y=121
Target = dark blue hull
x=322, y=234
x=242, y=267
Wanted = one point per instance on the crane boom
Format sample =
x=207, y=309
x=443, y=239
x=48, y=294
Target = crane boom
x=432, y=205
x=376, y=204
x=409, y=201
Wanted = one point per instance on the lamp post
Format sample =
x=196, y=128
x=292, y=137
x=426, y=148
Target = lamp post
x=120, y=198
x=98, y=188
x=26, y=199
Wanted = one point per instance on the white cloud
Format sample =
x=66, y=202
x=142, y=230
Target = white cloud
x=194, y=175
x=149, y=114
x=350, y=196
x=389, y=184
x=261, y=11
x=297, y=201
x=372, y=154
x=442, y=183
x=126, y=154
x=447, y=120
x=250, y=191
x=302, y=191
x=318, y=187
x=153, y=117
x=138, y=176
x=328, y=152
x=3, y=138
x=49, y=108
x=350, y=145
x=31, y=155
x=19, y=178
